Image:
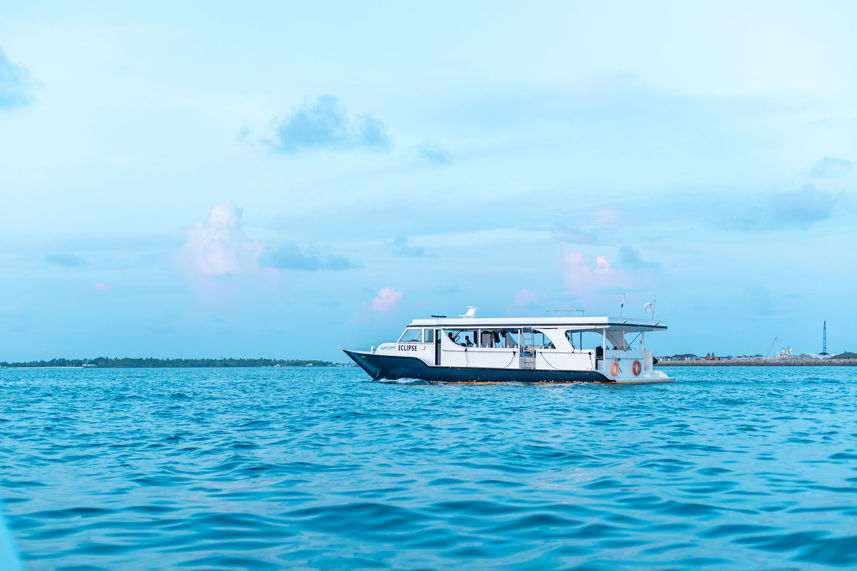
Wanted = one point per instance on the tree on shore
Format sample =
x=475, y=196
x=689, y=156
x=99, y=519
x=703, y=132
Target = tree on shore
x=846, y=355
x=145, y=362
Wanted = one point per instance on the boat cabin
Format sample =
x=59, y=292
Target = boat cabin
x=615, y=347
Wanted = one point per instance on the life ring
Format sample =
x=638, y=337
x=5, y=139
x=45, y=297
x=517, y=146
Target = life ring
x=614, y=368
x=637, y=368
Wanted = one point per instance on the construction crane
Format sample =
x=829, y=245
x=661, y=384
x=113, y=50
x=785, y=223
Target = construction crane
x=771, y=348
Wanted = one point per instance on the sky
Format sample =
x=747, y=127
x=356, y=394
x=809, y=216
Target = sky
x=283, y=180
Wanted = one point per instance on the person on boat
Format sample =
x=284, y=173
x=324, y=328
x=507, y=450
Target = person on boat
x=467, y=342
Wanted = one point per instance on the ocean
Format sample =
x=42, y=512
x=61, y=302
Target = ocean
x=731, y=468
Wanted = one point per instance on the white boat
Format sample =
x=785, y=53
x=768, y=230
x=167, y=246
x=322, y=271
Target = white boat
x=537, y=350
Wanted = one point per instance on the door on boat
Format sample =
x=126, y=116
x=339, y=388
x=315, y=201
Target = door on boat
x=528, y=349
x=437, y=333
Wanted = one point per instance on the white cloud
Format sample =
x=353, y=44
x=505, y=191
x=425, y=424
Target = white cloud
x=583, y=275
x=388, y=298
x=325, y=124
x=15, y=84
x=218, y=246
x=831, y=167
x=433, y=152
x=784, y=210
x=526, y=297
x=403, y=247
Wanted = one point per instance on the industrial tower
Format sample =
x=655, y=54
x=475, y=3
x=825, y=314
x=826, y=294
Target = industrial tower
x=824, y=340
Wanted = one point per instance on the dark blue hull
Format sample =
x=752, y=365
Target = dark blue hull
x=390, y=367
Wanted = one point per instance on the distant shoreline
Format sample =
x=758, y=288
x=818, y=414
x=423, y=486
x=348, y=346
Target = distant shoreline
x=761, y=363
x=151, y=363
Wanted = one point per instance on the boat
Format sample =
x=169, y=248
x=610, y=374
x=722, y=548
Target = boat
x=470, y=349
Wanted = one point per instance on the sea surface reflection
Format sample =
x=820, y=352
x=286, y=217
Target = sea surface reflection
x=729, y=467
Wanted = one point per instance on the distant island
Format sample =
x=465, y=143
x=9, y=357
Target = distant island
x=152, y=362
x=785, y=358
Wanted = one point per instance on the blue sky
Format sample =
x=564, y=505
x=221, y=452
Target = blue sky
x=283, y=180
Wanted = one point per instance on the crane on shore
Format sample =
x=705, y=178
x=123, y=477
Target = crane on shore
x=771, y=348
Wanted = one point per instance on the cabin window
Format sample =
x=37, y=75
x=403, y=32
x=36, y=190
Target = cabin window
x=575, y=338
x=489, y=338
x=498, y=338
x=543, y=341
x=584, y=339
x=428, y=335
x=411, y=336
x=510, y=337
x=486, y=338
x=463, y=337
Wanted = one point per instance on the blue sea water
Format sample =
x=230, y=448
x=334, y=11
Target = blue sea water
x=272, y=468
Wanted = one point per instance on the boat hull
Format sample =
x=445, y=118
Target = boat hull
x=394, y=367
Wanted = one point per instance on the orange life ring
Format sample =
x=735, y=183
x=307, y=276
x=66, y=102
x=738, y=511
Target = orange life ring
x=637, y=368
x=614, y=368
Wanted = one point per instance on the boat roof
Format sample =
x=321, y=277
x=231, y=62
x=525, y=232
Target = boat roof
x=581, y=323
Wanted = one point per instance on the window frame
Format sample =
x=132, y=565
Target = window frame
x=406, y=331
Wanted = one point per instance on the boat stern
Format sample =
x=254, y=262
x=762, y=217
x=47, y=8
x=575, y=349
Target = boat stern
x=646, y=378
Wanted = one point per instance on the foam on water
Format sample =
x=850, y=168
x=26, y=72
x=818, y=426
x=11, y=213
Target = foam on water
x=269, y=468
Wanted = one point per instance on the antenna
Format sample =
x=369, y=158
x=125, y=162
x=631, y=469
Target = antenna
x=771, y=348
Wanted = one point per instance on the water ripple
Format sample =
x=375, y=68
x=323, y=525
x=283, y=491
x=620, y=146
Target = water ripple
x=272, y=468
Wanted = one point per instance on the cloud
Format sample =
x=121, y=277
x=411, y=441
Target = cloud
x=606, y=217
x=218, y=246
x=526, y=298
x=65, y=260
x=580, y=236
x=101, y=287
x=795, y=209
x=831, y=167
x=291, y=257
x=629, y=257
x=16, y=84
x=387, y=299
x=402, y=247
x=584, y=275
x=433, y=152
x=597, y=230
x=325, y=124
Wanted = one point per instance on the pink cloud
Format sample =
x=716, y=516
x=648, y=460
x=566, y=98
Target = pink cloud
x=101, y=287
x=583, y=275
x=386, y=299
x=218, y=246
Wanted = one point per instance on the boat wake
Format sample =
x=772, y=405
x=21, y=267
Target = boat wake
x=405, y=381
